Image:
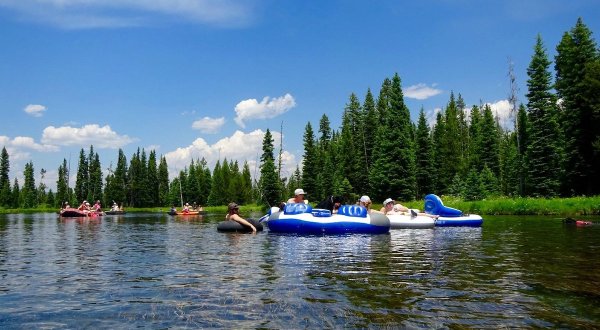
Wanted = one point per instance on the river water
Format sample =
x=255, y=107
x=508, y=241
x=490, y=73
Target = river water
x=158, y=271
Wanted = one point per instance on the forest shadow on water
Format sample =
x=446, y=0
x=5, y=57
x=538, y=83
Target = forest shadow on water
x=154, y=270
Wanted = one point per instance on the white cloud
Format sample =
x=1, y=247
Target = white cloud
x=421, y=91
x=240, y=146
x=35, y=110
x=77, y=14
x=93, y=134
x=209, y=125
x=501, y=110
x=267, y=108
x=15, y=146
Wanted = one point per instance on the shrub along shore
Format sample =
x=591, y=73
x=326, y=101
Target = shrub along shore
x=572, y=206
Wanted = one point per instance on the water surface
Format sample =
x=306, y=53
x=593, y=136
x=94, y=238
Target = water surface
x=159, y=271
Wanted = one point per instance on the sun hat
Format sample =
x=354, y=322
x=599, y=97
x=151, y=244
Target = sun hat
x=389, y=200
x=299, y=191
x=365, y=199
x=232, y=206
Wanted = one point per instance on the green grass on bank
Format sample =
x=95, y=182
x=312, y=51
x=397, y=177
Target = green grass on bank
x=493, y=206
x=523, y=206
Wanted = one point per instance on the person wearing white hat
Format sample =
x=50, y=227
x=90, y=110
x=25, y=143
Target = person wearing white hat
x=388, y=206
x=298, y=197
x=365, y=201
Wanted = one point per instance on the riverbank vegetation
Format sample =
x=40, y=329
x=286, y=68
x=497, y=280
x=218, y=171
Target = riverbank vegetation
x=573, y=206
x=537, y=166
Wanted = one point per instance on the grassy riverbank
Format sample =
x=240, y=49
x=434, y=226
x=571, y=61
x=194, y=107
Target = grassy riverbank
x=497, y=206
x=523, y=206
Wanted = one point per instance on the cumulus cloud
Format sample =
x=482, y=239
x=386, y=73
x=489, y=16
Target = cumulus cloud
x=501, y=110
x=240, y=146
x=267, y=108
x=78, y=14
x=35, y=110
x=209, y=125
x=25, y=142
x=93, y=134
x=421, y=91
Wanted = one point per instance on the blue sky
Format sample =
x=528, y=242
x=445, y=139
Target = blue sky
x=206, y=78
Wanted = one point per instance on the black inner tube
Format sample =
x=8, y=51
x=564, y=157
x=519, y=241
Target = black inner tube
x=234, y=226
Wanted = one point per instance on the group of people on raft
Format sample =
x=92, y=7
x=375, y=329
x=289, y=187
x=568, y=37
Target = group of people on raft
x=85, y=207
x=187, y=208
x=390, y=207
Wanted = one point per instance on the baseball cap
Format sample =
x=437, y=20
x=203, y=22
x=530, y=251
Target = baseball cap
x=365, y=199
x=299, y=191
x=389, y=200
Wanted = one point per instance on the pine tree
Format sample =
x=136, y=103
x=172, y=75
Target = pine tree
x=544, y=152
x=424, y=160
x=575, y=52
x=16, y=195
x=310, y=168
x=371, y=121
x=451, y=144
x=29, y=192
x=522, y=146
x=489, y=142
x=393, y=171
x=95, y=176
x=41, y=190
x=82, y=180
x=116, y=182
x=134, y=180
x=163, y=183
x=245, y=187
x=62, y=184
x=5, y=194
x=269, y=185
x=439, y=185
x=217, y=189
x=352, y=144
x=153, y=184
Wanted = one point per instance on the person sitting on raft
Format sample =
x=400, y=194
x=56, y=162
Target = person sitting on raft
x=84, y=207
x=97, y=206
x=390, y=208
x=365, y=201
x=298, y=197
x=233, y=214
x=186, y=208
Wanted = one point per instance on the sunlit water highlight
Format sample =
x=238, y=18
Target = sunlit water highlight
x=158, y=271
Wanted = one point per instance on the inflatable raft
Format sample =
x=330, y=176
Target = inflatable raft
x=301, y=218
x=234, y=226
x=76, y=213
x=449, y=216
x=402, y=220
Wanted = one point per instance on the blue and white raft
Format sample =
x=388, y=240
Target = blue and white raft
x=449, y=216
x=404, y=220
x=301, y=218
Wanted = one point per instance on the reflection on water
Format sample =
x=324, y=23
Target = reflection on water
x=156, y=271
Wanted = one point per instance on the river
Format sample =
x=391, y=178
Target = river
x=159, y=271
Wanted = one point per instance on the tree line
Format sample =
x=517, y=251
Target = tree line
x=552, y=150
